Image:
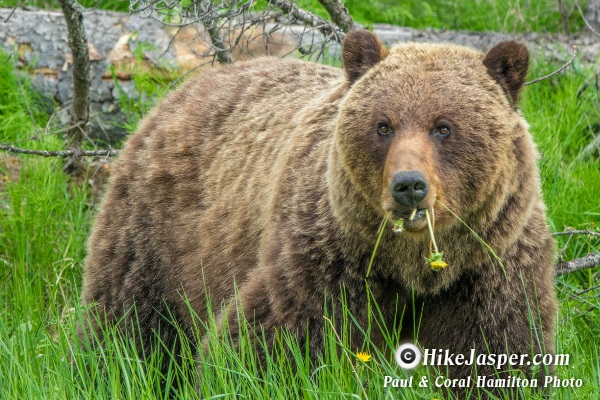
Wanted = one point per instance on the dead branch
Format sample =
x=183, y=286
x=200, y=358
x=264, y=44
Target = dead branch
x=575, y=51
x=227, y=25
x=80, y=105
x=210, y=22
x=578, y=298
x=587, y=290
x=221, y=50
x=13, y=11
x=570, y=232
x=328, y=30
x=74, y=153
x=585, y=20
x=566, y=267
x=339, y=14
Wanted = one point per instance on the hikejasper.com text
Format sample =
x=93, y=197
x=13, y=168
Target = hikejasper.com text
x=440, y=357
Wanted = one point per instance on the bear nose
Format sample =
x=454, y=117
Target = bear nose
x=409, y=188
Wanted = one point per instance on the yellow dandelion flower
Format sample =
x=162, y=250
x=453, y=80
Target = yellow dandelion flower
x=438, y=264
x=364, y=357
x=435, y=259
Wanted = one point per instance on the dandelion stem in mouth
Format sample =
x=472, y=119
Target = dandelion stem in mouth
x=412, y=214
x=436, y=258
x=430, y=227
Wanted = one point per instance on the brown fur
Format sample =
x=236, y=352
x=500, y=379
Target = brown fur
x=270, y=176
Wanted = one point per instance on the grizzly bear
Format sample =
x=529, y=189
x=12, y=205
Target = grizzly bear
x=264, y=185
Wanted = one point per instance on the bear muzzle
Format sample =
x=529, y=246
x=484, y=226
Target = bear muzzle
x=409, y=190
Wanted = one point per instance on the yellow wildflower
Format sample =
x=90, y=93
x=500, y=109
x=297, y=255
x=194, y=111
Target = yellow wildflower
x=364, y=357
x=438, y=264
x=435, y=259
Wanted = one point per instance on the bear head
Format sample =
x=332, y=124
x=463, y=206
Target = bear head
x=423, y=124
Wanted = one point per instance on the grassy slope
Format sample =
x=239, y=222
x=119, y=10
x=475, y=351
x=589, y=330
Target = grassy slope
x=44, y=222
x=476, y=15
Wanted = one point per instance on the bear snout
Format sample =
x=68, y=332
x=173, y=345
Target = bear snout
x=409, y=188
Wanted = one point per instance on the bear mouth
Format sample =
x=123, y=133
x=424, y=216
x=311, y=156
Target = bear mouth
x=409, y=220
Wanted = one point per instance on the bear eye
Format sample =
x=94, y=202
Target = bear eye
x=441, y=131
x=384, y=130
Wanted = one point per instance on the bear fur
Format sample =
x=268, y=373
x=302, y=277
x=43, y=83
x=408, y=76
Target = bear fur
x=272, y=177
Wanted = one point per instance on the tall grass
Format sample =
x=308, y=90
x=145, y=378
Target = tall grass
x=562, y=129
x=508, y=15
x=45, y=220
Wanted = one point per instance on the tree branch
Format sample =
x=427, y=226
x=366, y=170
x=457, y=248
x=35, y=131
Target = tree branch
x=323, y=26
x=339, y=14
x=570, y=232
x=585, y=20
x=210, y=22
x=575, y=51
x=75, y=153
x=13, y=11
x=587, y=290
x=566, y=267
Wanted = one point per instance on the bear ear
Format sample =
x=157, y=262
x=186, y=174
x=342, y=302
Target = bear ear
x=507, y=63
x=361, y=51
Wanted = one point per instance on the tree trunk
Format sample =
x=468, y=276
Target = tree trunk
x=80, y=106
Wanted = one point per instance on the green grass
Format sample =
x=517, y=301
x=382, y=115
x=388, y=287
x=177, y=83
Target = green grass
x=477, y=15
x=115, y=5
x=45, y=221
x=564, y=116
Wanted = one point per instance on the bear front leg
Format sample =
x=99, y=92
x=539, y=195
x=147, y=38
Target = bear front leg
x=266, y=316
x=491, y=314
